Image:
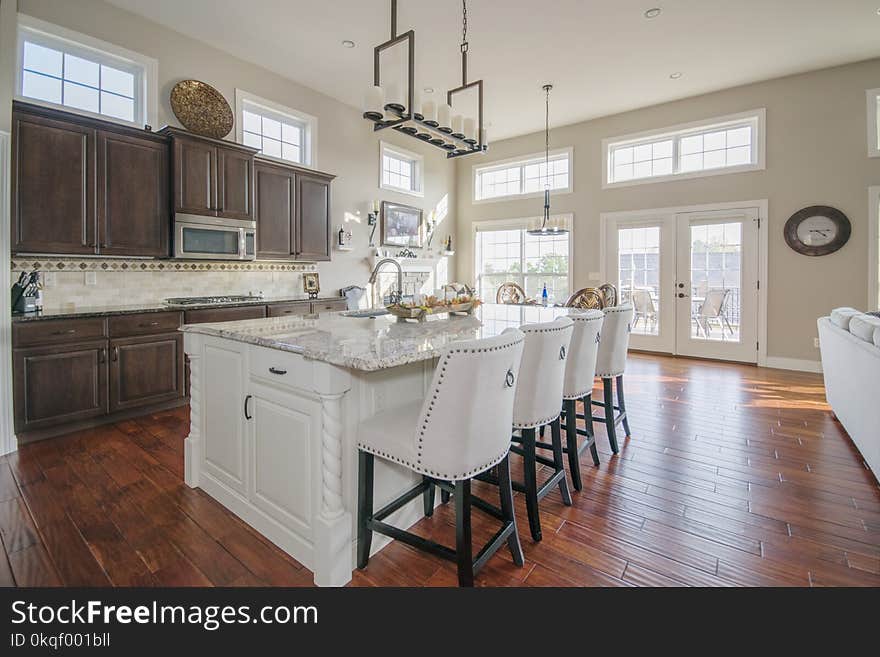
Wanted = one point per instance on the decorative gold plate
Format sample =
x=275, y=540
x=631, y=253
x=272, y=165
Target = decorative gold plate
x=201, y=109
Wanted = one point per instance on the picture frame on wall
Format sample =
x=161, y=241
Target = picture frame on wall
x=312, y=284
x=402, y=225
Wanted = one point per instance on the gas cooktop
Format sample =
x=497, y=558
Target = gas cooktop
x=183, y=302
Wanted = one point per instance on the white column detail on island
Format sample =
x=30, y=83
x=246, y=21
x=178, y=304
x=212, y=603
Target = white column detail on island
x=193, y=443
x=333, y=556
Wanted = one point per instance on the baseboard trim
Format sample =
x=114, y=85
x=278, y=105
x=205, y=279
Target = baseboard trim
x=795, y=364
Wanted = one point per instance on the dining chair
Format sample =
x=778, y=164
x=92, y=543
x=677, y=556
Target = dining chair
x=461, y=429
x=586, y=298
x=609, y=294
x=510, y=293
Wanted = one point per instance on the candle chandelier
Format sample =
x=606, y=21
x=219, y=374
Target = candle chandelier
x=546, y=225
x=389, y=105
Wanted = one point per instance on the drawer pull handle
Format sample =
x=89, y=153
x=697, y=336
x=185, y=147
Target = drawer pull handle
x=67, y=332
x=148, y=324
x=246, y=400
x=277, y=371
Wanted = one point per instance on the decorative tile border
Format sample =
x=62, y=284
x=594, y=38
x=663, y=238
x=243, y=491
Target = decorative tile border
x=29, y=263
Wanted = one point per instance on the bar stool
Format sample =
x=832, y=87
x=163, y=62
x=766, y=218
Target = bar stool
x=460, y=430
x=578, y=386
x=537, y=405
x=610, y=363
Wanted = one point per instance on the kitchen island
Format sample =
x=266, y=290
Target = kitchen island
x=275, y=407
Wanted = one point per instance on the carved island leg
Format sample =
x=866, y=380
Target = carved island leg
x=333, y=563
x=193, y=443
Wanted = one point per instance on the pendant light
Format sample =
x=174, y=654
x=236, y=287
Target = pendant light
x=547, y=226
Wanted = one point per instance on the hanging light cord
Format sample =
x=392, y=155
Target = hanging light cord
x=464, y=26
x=547, y=138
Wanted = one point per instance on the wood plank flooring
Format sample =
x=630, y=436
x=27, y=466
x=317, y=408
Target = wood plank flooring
x=734, y=476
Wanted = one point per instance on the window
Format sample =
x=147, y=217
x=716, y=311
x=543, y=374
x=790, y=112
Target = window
x=873, y=108
x=505, y=252
x=523, y=177
x=400, y=170
x=278, y=132
x=60, y=68
x=723, y=145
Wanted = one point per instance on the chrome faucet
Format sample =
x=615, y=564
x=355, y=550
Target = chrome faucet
x=396, y=297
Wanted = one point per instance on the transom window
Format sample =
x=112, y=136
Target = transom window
x=510, y=255
x=523, y=177
x=54, y=69
x=400, y=170
x=722, y=145
x=277, y=132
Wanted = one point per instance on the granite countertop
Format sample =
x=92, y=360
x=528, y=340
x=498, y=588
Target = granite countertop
x=76, y=311
x=379, y=343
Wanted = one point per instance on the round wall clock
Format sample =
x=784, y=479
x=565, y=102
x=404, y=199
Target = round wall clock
x=817, y=230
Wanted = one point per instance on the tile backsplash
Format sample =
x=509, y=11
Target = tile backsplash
x=131, y=282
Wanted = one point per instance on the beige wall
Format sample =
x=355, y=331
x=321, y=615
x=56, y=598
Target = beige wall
x=346, y=145
x=816, y=154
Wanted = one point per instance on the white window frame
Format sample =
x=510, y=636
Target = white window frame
x=522, y=162
x=145, y=69
x=871, y=104
x=309, y=147
x=522, y=223
x=418, y=176
x=874, y=248
x=756, y=118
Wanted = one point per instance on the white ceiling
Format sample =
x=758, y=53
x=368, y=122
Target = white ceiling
x=603, y=56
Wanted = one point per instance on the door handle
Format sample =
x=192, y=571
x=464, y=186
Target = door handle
x=682, y=295
x=246, y=400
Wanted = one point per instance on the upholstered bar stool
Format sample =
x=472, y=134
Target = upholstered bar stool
x=460, y=430
x=537, y=405
x=580, y=368
x=610, y=364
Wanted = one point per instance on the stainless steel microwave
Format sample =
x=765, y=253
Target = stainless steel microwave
x=213, y=238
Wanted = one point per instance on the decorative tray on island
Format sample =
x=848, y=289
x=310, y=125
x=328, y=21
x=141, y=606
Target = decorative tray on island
x=433, y=306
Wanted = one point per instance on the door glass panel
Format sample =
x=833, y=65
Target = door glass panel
x=716, y=281
x=639, y=273
x=207, y=240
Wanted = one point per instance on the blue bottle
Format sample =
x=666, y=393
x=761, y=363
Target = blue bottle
x=544, y=298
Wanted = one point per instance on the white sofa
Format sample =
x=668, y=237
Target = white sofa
x=850, y=344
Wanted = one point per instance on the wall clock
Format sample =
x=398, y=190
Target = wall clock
x=817, y=230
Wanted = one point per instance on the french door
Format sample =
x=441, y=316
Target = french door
x=692, y=277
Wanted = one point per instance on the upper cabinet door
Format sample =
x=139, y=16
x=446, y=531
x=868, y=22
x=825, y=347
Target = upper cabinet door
x=195, y=176
x=274, y=210
x=313, y=218
x=236, y=182
x=133, y=212
x=53, y=183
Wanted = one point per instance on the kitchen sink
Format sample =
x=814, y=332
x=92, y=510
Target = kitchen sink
x=367, y=312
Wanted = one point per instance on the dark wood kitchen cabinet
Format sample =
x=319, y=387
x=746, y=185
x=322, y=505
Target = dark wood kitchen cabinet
x=82, y=186
x=292, y=209
x=59, y=384
x=211, y=177
x=145, y=370
x=133, y=217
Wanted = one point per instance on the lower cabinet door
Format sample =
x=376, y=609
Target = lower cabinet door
x=58, y=384
x=145, y=370
x=283, y=436
x=223, y=383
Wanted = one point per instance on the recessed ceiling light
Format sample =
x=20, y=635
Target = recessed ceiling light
x=675, y=76
x=348, y=44
x=428, y=90
x=653, y=12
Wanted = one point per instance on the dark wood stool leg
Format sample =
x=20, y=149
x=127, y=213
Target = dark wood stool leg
x=530, y=476
x=463, y=546
x=542, y=430
x=608, y=389
x=591, y=434
x=428, y=497
x=571, y=442
x=556, y=437
x=444, y=496
x=622, y=404
x=365, y=507
x=506, y=492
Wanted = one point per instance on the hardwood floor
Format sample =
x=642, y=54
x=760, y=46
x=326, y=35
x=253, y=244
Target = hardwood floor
x=733, y=476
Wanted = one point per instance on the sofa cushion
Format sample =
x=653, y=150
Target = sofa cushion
x=877, y=337
x=863, y=326
x=841, y=316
